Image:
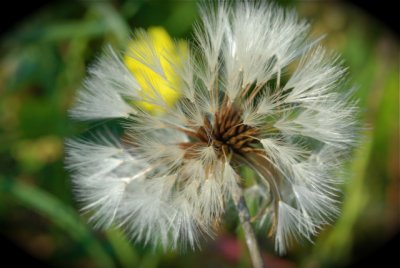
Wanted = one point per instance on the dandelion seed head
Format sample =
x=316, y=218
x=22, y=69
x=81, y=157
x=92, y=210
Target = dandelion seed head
x=229, y=101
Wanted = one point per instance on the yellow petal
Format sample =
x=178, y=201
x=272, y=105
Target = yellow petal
x=157, y=47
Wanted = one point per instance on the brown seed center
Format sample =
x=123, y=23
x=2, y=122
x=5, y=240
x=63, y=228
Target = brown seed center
x=228, y=134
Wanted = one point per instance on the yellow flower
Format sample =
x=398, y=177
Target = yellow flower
x=158, y=47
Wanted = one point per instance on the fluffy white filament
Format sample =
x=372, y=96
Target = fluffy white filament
x=165, y=193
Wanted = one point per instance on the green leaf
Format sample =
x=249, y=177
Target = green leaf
x=61, y=215
x=60, y=31
x=123, y=250
x=110, y=17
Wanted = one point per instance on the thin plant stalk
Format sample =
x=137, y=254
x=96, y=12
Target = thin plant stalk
x=250, y=236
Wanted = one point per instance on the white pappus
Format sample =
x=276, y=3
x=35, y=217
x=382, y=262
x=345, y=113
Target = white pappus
x=256, y=90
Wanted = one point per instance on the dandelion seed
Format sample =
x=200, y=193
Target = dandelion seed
x=231, y=102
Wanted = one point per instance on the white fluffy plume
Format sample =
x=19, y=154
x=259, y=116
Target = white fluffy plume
x=167, y=178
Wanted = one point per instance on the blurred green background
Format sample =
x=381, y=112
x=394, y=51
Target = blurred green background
x=42, y=63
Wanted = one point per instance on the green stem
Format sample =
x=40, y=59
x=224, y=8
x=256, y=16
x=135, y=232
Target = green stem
x=250, y=236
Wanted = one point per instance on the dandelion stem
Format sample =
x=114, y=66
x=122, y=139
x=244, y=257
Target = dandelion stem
x=250, y=236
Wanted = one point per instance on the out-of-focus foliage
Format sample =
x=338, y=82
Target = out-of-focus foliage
x=42, y=63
